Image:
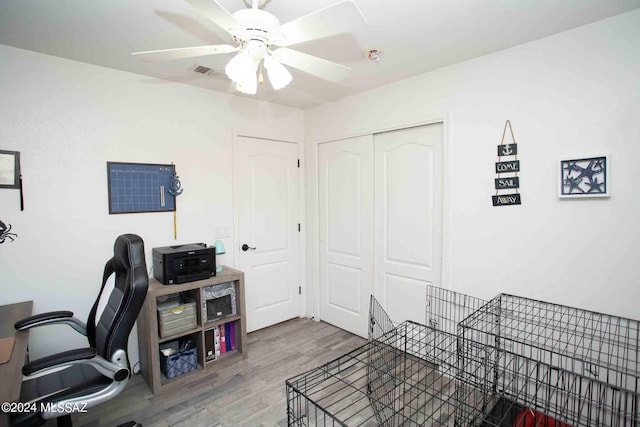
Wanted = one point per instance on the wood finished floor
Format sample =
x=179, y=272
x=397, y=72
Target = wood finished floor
x=249, y=393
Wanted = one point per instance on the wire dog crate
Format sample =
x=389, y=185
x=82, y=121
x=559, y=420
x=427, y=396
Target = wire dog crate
x=511, y=361
x=554, y=364
x=403, y=377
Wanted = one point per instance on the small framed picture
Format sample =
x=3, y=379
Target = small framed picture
x=9, y=169
x=588, y=176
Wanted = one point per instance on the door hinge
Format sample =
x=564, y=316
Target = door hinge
x=299, y=290
x=298, y=162
x=298, y=227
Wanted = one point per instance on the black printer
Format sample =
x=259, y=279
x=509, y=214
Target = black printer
x=183, y=263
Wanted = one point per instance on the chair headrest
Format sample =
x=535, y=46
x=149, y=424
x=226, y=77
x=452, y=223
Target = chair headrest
x=128, y=253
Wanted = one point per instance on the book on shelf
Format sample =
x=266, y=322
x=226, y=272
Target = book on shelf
x=210, y=352
x=227, y=336
x=216, y=335
x=223, y=340
x=232, y=335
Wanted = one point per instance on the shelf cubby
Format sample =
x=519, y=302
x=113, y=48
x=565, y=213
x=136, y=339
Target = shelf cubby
x=149, y=339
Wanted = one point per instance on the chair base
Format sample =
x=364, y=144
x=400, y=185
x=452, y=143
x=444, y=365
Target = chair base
x=65, y=421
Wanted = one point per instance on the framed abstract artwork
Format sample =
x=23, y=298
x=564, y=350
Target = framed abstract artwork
x=587, y=176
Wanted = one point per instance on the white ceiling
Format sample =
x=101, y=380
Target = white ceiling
x=415, y=36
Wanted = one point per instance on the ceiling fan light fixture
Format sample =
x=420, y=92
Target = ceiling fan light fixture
x=241, y=67
x=279, y=76
x=250, y=87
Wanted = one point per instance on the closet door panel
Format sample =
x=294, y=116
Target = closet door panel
x=345, y=174
x=408, y=218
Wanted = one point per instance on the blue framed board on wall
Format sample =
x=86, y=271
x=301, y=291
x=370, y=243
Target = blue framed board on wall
x=140, y=187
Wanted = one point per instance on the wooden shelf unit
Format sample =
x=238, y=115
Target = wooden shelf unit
x=149, y=336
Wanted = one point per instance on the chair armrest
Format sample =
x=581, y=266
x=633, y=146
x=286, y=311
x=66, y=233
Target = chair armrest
x=51, y=318
x=116, y=369
x=58, y=359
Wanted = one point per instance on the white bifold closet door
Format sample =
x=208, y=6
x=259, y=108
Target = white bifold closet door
x=380, y=200
x=345, y=177
x=408, y=218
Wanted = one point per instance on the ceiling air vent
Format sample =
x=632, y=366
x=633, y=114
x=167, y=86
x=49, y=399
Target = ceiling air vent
x=202, y=69
x=207, y=71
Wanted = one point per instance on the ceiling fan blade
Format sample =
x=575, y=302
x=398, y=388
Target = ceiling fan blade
x=216, y=13
x=313, y=65
x=339, y=18
x=185, y=52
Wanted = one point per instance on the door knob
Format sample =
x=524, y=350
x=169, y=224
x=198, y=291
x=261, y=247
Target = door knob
x=245, y=247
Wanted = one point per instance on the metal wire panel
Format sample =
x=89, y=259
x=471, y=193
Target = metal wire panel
x=412, y=377
x=445, y=308
x=334, y=394
x=380, y=323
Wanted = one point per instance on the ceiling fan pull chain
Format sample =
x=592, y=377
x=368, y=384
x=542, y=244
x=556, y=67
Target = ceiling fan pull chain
x=260, y=75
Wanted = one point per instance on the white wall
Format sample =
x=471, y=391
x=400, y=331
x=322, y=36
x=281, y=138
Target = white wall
x=68, y=119
x=571, y=94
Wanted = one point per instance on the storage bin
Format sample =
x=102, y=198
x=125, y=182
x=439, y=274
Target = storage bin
x=176, y=315
x=179, y=363
x=218, y=301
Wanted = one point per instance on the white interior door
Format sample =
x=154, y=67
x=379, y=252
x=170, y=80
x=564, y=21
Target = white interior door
x=345, y=176
x=267, y=208
x=408, y=218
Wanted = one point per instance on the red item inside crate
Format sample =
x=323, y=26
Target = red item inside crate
x=530, y=418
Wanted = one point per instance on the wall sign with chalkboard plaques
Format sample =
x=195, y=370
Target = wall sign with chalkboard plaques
x=507, y=168
x=141, y=187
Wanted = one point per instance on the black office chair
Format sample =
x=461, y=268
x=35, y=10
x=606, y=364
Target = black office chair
x=101, y=371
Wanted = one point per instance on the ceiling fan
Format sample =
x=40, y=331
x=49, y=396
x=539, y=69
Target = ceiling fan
x=261, y=43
